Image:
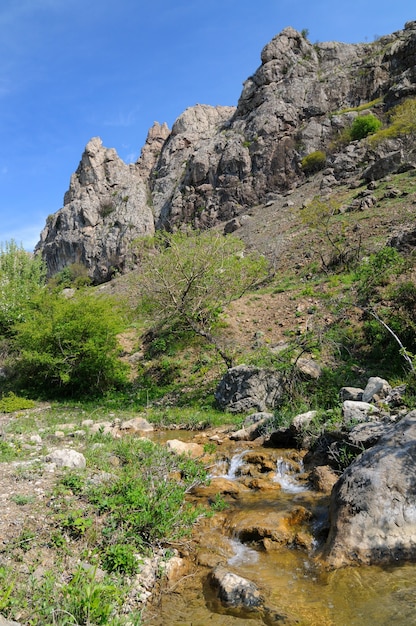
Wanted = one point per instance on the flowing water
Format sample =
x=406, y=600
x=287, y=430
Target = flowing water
x=296, y=587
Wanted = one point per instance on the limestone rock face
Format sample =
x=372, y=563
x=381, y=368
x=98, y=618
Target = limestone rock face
x=105, y=209
x=373, y=511
x=217, y=162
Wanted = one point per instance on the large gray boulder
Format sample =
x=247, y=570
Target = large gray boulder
x=245, y=388
x=373, y=506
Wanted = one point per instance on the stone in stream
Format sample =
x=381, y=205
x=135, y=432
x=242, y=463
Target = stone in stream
x=235, y=591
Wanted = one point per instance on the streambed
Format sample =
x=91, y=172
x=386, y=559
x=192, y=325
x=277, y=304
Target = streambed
x=295, y=585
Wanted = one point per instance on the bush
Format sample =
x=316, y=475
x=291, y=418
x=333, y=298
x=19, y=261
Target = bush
x=11, y=403
x=402, y=122
x=313, y=162
x=69, y=347
x=364, y=125
x=121, y=558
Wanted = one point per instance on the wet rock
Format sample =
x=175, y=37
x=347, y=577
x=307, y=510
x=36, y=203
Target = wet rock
x=372, y=511
x=66, y=458
x=323, y=478
x=235, y=591
x=217, y=486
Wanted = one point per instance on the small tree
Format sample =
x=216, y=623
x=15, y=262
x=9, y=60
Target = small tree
x=324, y=217
x=21, y=278
x=189, y=277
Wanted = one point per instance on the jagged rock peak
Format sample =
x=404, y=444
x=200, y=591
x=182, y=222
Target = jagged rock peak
x=156, y=137
x=105, y=208
x=217, y=162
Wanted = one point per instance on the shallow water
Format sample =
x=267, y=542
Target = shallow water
x=292, y=581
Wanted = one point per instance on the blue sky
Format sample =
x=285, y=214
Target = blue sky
x=74, y=69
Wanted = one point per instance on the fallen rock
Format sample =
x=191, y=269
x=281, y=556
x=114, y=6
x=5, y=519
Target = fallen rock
x=245, y=388
x=373, y=510
x=351, y=393
x=376, y=389
x=65, y=457
x=354, y=411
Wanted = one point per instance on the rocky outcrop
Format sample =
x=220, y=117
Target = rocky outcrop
x=244, y=388
x=217, y=162
x=373, y=512
x=105, y=209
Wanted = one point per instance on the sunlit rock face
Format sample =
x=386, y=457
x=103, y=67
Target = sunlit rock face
x=218, y=161
x=105, y=209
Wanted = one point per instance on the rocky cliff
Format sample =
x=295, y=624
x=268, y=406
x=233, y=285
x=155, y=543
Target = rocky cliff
x=216, y=162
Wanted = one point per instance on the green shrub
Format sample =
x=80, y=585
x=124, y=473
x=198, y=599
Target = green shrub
x=68, y=346
x=73, y=275
x=313, y=162
x=402, y=122
x=11, y=403
x=121, y=558
x=146, y=503
x=364, y=125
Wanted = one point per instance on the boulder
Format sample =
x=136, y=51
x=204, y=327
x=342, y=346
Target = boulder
x=65, y=457
x=193, y=450
x=323, y=478
x=354, y=411
x=136, y=424
x=372, y=510
x=308, y=367
x=245, y=388
x=376, y=389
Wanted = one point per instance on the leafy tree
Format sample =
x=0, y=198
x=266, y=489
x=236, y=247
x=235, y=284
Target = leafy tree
x=22, y=276
x=324, y=217
x=189, y=277
x=68, y=346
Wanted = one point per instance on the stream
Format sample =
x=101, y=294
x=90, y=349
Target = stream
x=270, y=533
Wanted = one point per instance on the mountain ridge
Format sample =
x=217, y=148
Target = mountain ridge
x=217, y=163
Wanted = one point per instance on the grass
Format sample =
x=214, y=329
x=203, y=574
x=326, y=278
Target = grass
x=106, y=520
